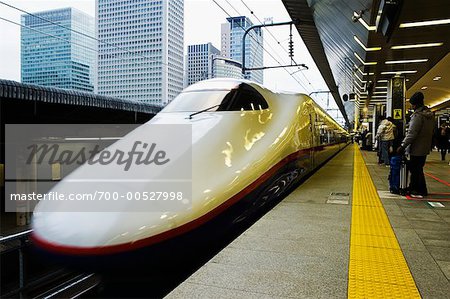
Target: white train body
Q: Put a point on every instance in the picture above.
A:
(235, 151)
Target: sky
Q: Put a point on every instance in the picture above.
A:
(201, 25)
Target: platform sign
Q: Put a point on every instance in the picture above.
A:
(397, 113)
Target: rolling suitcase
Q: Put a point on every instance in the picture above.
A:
(394, 174)
(403, 188)
(398, 175)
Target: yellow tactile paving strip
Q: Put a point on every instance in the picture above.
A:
(377, 267)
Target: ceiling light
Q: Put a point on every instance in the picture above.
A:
(413, 46)
(378, 97)
(356, 83)
(424, 87)
(398, 72)
(362, 61)
(364, 74)
(381, 87)
(380, 92)
(440, 103)
(425, 23)
(361, 20)
(381, 81)
(364, 47)
(360, 80)
(437, 78)
(406, 61)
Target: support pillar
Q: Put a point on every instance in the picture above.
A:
(395, 105)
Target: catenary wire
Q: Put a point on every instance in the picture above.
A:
(226, 12)
(253, 13)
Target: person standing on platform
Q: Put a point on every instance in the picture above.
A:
(417, 143)
(442, 137)
(386, 134)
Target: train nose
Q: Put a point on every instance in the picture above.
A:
(57, 229)
(77, 229)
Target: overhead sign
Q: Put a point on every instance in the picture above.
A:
(397, 113)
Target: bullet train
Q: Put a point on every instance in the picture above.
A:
(249, 146)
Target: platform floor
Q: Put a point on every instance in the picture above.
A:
(303, 247)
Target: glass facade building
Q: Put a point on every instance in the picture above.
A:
(52, 55)
(141, 58)
(231, 37)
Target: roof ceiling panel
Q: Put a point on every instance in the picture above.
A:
(328, 31)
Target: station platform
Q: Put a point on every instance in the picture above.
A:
(340, 234)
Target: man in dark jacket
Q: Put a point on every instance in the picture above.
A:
(417, 143)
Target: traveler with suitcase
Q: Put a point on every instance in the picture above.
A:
(417, 143)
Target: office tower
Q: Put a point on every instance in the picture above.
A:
(52, 55)
(253, 45)
(142, 58)
(225, 40)
(199, 62)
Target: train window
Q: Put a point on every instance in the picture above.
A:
(247, 98)
(244, 97)
(198, 100)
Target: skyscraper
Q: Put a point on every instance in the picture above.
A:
(232, 45)
(52, 55)
(141, 58)
(199, 62)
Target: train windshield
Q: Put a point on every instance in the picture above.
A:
(244, 97)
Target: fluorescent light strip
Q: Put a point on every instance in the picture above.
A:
(364, 74)
(380, 92)
(360, 80)
(416, 46)
(356, 83)
(361, 20)
(406, 61)
(425, 23)
(378, 97)
(362, 61)
(440, 103)
(381, 87)
(382, 81)
(398, 72)
(364, 47)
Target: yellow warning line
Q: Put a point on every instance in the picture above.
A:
(377, 267)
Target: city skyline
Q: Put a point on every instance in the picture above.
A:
(197, 14)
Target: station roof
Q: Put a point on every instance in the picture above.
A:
(31, 92)
(354, 55)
